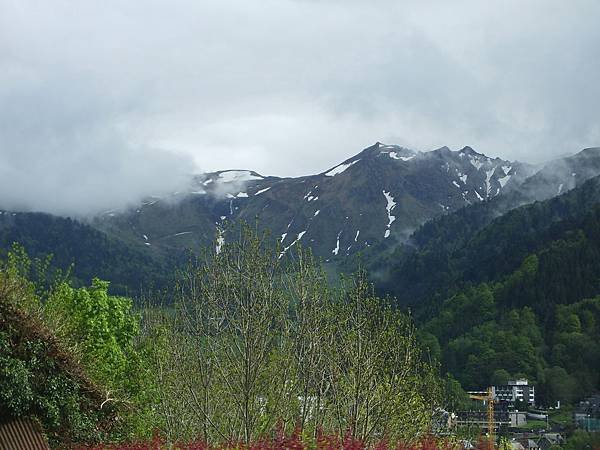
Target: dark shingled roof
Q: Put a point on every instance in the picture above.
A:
(21, 434)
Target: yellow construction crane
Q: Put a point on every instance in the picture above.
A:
(489, 398)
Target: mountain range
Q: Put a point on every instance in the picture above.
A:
(370, 206)
(498, 261)
(382, 194)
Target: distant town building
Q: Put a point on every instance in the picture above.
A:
(517, 419)
(480, 419)
(515, 391)
(549, 440)
(587, 414)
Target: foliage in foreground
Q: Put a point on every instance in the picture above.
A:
(69, 356)
(296, 441)
(251, 340)
(39, 376)
(256, 339)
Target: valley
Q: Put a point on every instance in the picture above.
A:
(495, 261)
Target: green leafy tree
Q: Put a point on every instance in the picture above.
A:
(102, 330)
(39, 377)
(100, 325)
(455, 397)
(500, 377)
(582, 440)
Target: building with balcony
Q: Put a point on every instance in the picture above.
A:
(515, 391)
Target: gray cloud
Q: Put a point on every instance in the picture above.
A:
(64, 151)
(103, 102)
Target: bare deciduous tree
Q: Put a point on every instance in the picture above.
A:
(258, 340)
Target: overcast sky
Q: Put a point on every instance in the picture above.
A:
(104, 101)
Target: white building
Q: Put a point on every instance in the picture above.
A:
(517, 390)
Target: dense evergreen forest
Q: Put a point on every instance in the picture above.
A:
(511, 296)
(87, 252)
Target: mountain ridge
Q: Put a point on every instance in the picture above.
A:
(383, 192)
(409, 271)
(372, 205)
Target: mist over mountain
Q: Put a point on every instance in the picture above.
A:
(375, 207)
(106, 104)
(78, 164)
(381, 194)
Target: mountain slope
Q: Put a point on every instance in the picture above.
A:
(416, 271)
(380, 195)
(368, 206)
(92, 253)
(522, 299)
(561, 175)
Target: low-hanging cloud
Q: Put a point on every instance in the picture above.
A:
(64, 152)
(92, 93)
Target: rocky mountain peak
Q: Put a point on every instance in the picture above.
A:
(380, 195)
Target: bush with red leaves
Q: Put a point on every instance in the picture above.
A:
(294, 441)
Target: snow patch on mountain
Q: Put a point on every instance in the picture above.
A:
(220, 241)
(262, 190)
(395, 155)
(336, 250)
(488, 177)
(464, 196)
(341, 168)
(230, 176)
(475, 162)
(298, 237)
(504, 180)
(391, 204)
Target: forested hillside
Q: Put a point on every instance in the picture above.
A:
(87, 252)
(516, 298)
(494, 297)
(497, 290)
(367, 206)
(475, 245)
